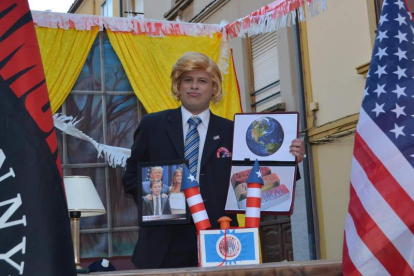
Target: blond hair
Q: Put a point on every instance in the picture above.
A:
(191, 61)
(156, 182)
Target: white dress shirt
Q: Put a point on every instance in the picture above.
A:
(202, 131)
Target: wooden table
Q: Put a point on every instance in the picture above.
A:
(303, 268)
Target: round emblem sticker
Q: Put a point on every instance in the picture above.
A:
(233, 247)
(223, 152)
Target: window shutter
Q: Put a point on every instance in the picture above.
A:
(265, 71)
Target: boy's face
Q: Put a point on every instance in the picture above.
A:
(196, 90)
(156, 189)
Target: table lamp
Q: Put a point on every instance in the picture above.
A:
(83, 201)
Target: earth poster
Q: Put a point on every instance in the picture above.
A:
(264, 136)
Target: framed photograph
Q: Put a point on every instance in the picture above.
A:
(264, 136)
(277, 192)
(160, 201)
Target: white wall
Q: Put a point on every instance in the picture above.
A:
(339, 41)
(155, 9)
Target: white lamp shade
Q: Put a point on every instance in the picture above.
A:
(82, 196)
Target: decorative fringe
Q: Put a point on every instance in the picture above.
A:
(224, 57)
(274, 16)
(115, 156)
(154, 28)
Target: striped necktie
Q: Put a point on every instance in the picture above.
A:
(191, 145)
(157, 206)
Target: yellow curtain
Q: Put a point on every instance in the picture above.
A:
(231, 101)
(148, 62)
(64, 53)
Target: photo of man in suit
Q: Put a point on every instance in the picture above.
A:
(157, 205)
(169, 135)
(156, 174)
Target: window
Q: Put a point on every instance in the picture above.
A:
(107, 8)
(103, 97)
(139, 9)
(265, 71)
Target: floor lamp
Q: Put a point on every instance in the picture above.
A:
(83, 201)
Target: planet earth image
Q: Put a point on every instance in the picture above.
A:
(264, 136)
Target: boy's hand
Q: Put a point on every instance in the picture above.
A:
(297, 148)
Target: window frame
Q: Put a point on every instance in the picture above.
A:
(107, 8)
(67, 167)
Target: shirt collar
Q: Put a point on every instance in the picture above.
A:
(204, 116)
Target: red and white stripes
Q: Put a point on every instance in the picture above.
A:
(379, 230)
(254, 199)
(198, 210)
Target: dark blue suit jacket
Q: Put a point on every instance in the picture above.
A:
(148, 207)
(159, 137)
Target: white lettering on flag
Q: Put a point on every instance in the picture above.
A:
(11, 172)
(15, 204)
(7, 256)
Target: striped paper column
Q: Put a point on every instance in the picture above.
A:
(195, 202)
(254, 197)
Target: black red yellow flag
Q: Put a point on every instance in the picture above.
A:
(35, 234)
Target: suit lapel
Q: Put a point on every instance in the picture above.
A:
(212, 138)
(174, 129)
(162, 200)
(152, 207)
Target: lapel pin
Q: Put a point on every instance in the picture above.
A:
(216, 137)
(223, 152)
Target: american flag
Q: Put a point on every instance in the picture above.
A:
(379, 225)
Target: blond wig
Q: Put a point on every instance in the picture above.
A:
(191, 61)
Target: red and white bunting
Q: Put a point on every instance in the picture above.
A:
(274, 16)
